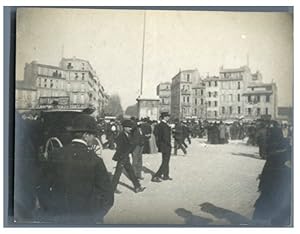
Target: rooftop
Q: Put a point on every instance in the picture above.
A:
(240, 69)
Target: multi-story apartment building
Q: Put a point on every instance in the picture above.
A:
(233, 84)
(73, 79)
(260, 100)
(181, 93)
(234, 94)
(163, 90)
(212, 90)
(198, 100)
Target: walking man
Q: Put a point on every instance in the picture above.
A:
(164, 146)
(124, 148)
(79, 185)
(178, 137)
(138, 140)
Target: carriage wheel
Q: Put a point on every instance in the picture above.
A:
(97, 147)
(52, 144)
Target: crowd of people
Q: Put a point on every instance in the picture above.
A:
(74, 186)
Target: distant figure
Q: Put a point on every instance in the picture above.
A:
(164, 146)
(222, 133)
(80, 188)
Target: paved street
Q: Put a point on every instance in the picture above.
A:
(220, 177)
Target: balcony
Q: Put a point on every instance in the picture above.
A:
(185, 91)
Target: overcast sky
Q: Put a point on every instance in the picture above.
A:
(112, 41)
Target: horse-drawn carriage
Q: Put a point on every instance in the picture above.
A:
(55, 127)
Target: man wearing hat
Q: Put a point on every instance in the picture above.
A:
(164, 146)
(81, 190)
(124, 148)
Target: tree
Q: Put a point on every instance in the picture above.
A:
(113, 106)
(132, 110)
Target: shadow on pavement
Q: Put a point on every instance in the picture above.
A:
(221, 213)
(127, 186)
(248, 155)
(191, 219)
(148, 171)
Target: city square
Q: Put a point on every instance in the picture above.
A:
(223, 175)
(152, 117)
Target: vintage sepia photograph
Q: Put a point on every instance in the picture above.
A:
(153, 117)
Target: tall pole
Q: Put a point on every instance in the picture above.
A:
(143, 48)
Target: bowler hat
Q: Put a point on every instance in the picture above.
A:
(84, 123)
(128, 123)
(164, 114)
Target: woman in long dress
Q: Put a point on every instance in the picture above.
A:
(152, 140)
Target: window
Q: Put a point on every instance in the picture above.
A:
(230, 110)
(216, 83)
(258, 111)
(188, 99)
(75, 98)
(195, 101)
(209, 84)
(239, 85)
(249, 111)
(267, 98)
(201, 91)
(258, 98)
(183, 99)
(209, 103)
(267, 111)
(215, 94)
(195, 111)
(216, 113)
(223, 110)
(82, 77)
(249, 98)
(209, 94)
(239, 110)
(69, 66)
(216, 103)
(238, 97)
(201, 101)
(188, 77)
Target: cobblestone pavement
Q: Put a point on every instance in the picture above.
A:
(212, 185)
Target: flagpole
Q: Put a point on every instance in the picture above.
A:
(143, 48)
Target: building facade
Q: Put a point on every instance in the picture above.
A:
(73, 78)
(260, 101)
(181, 93)
(212, 90)
(233, 95)
(198, 100)
(163, 91)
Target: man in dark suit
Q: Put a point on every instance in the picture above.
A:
(125, 146)
(81, 190)
(178, 137)
(164, 146)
